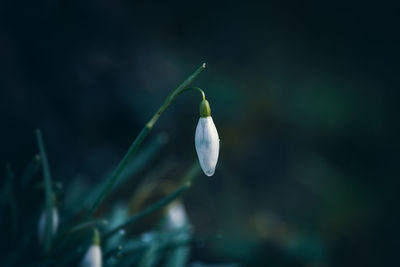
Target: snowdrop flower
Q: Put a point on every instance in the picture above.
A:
(42, 224)
(207, 140)
(93, 257)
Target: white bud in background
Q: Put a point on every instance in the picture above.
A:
(93, 256)
(207, 140)
(176, 216)
(177, 222)
(42, 224)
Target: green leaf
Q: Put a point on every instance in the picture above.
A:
(30, 171)
(188, 179)
(48, 193)
(86, 225)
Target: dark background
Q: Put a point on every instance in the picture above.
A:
(304, 97)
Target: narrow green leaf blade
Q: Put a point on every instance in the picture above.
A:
(48, 193)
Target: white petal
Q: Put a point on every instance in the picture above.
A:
(42, 224)
(207, 145)
(92, 257)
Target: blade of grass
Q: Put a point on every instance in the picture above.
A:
(65, 236)
(134, 248)
(139, 139)
(142, 159)
(30, 171)
(188, 179)
(179, 255)
(48, 193)
(135, 166)
(151, 255)
(86, 225)
(156, 206)
(76, 253)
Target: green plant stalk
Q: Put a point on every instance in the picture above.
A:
(139, 139)
(141, 160)
(86, 225)
(30, 171)
(48, 193)
(179, 256)
(189, 178)
(151, 255)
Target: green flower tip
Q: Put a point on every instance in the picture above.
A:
(96, 237)
(205, 110)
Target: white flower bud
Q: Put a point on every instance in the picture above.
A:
(92, 257)
(42, 224)
(207, 140)
(176, 216)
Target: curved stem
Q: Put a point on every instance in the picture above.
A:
(197, 89)
(172, 96)
(139, 139)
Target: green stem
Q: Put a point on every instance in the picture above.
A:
(189, 178)
(139, 139)
(48, 192)
(197, 89)
(150, 256)
(86, 225)
(30, 171)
